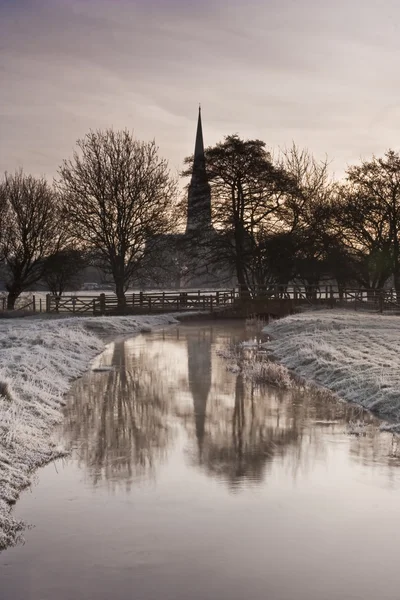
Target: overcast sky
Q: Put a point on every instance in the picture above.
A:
(323, 74)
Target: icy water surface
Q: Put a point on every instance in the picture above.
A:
(188, 483)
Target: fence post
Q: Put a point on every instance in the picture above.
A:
(163, 301)
(141, 299)
(331, 296)
(33, 303)
(211, 303)
(48, 301)
(40, 304)
(149, 303)
(102, 299)
(94, 305)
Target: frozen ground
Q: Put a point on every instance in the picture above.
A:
(38, 360)
(357, 356)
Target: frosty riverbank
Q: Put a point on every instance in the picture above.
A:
(38, 361)
(355, 355)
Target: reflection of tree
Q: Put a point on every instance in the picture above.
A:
(236, 441)
(241, 441)
(238, 435)
(117, 419)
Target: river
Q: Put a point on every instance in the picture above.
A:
(187, 482)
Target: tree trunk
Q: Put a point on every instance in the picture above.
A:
(120, 293)
(240, 267)
(12, 298)
(240, 277)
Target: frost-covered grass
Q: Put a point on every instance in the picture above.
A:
(266, 371)
(251, 360)
(356, 356)
(38, 360)
(254, 365)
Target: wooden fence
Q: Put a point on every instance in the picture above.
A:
(142, 302)
(30, 305)
(328, 295)
(213, 300)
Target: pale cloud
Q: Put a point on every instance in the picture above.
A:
(319, 73)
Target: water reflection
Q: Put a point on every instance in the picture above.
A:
(240, 440)
(117, 419)
(234, 490)
(122, 422)
(199, 376)
(372, 447)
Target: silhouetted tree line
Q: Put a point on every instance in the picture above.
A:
(283, 220)
(277, 220)
(108, 204)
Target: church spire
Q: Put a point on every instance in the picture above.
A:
(199, 145)
(199, 196)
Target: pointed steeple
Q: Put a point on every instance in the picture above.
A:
(199, 145)
(199, 197)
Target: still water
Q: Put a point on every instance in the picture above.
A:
(188, 483)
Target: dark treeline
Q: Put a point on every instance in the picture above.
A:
(107, 205)
(285, 220)
(276, 220)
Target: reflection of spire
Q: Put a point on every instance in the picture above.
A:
(199, 371)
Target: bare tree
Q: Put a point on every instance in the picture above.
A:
(306, 216)
(30, 230)
(365, 235)
(369, 214)
(313, 192)
(118, 196)
(3, 214)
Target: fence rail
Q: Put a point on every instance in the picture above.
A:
(213, 300)
(26, 306)
(142, 302)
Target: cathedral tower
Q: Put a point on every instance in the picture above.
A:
(199, 196)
